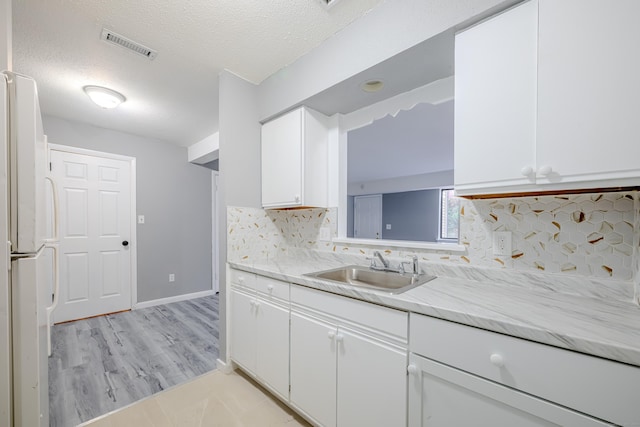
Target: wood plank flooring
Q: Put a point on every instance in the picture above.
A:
(104, 363)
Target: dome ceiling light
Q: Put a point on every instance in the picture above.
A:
(104, 97)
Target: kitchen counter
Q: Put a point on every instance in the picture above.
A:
(607, 328)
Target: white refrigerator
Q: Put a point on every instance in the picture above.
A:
(32, 248)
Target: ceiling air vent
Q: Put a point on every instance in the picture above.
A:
(111, 37)
(329, 3)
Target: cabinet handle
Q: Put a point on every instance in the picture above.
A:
(270, 288)
(339, 338)
(331, 334)
(412, 369)
(526, 171)
(545, 170)
(497, 360)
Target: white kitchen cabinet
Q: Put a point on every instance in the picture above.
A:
(504, 380)
(294, 160)
(243, 330)
(348, 360)
(495, 100)
(588, 89)
(313, 368)
(442, 396)
(546, 99)
(260, 331)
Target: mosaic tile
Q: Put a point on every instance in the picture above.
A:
(592, 235)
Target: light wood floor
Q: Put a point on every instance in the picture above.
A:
(214, 399)
(101, 364)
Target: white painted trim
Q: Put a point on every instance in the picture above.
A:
(409, 244)
(215, 241)
(133, 251)
(224, 367)
(168, 300)
(86, 152)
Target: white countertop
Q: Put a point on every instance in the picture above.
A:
(602, 327)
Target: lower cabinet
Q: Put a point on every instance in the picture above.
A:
(260, 337)
(442, 396)
(345, 373)
(461, 375)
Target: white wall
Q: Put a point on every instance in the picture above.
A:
(402, 183)
(5, 355)
(239, 165)
(390, 28)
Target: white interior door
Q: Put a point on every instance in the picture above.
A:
(95, 234)
(367, 217)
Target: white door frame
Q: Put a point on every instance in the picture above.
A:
(133, 239)
(215, 219)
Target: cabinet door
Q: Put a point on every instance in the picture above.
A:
(495, 108)
(313, 368)
(272, 365)
(372, 382)
(441, 396)
(588, 126)
(282, 160)
(243, 330)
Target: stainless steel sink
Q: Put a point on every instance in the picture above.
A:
(365, 277)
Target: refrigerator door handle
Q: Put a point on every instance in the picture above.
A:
(54, 192)
(56, 291)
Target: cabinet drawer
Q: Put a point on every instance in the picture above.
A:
(384, 319)
(272, 288)
(242, 278)
(595, 386)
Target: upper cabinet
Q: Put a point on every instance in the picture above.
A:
(546, 96)
(294, 160)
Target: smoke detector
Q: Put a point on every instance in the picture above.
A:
(117, 39)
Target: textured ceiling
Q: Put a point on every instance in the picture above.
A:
(175, 96)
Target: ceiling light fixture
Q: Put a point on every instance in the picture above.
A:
(372, 85)
(104, 97)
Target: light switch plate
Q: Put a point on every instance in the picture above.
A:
(388, 226)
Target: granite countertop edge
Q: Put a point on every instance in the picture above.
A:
(607, 329)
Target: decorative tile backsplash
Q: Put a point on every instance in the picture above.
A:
(590, 235)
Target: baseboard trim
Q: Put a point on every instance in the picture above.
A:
(176, 298)
(224, 367)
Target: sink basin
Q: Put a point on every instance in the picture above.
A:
(357, 275)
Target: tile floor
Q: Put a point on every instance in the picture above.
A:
(212, 399)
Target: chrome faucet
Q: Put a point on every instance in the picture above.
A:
(415, 266)
(384, 262)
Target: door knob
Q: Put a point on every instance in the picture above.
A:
(125, 243)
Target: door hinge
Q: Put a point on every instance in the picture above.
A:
(50, 167)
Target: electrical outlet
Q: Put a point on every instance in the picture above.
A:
(140, 219)
(502, 243)
(388, 226)
(172, 277)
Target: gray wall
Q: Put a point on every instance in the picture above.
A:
(239, 183)
(172, 194)
(413, 215)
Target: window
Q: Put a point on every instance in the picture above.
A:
(449, 215)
